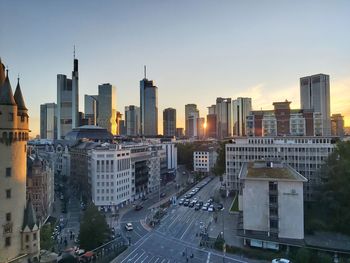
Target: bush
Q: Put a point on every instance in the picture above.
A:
(303, 255)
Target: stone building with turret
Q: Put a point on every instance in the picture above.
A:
(19, 234)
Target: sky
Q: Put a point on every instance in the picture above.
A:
(195, 51)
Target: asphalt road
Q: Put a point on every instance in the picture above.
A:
(177, 237)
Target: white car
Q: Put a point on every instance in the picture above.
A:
(280, 260)
(128, 227)
(211, 208)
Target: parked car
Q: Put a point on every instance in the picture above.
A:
(205, 208)
(197, 207)
(181, 201)
(280, 260)
(128, 227)
(211, 208)
(186, 203)
(191, 204)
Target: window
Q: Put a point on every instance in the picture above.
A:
(8, 241)
(8, 171)
(8, 216)
(34, 236)
(10, 116)
(27, 238)
(8, 193)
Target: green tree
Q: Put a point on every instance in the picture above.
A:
(93, 228)
(46, 241)
(185, 154)
(303, 255)
(219, 168)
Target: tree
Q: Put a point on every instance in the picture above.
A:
(46, 241)
(303, 255)
(219, 168)
(93, 229)
(185, 154)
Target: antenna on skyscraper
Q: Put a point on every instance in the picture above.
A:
(144, 70)
(73, 51)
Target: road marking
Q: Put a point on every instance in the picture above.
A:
(163, 260)
(133, 257)
(186, 230)
(208, 258)
(156, 260)
(136, 248)
(140, 255)
(144, 259)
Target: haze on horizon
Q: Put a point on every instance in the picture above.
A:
(194, 51)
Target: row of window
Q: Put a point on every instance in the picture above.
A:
(111, 198)
(126, 180)
(111, 176)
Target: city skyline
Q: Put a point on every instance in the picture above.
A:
(181, 53)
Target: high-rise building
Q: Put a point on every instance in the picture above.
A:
(169, 122)
(132, 120)
(122, 127)
(192, 124)
(107, 104)
(189, 109)
(67, 102)
(91, 108)
(223, 117)
(315, 95)
(48, 121)
(200, 128)
(241, 109)
(211, 126)
(148, 108)
(337, 125)
(20, 237)
(117, 121)
(180, 132)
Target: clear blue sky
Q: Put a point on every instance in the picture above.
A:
(195, 50)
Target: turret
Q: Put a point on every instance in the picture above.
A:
(22, 116)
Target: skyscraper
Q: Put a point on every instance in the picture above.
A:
(91, 108)
(20, 236)
(67, 102)
(241, 109)
(192, 127)
(315, 95)
(337, 125)
(132, 120)
(189, 109)
(48, 121)
(148, 108)
(107, 96)
(169, 122)
(223, 117)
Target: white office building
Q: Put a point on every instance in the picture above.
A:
(111, 177)
(271, 201)
(304, 154)
(204, 160)
(241, 109)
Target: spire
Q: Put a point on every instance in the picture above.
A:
(29, 219)
(19, 97)
(6, 95)
(2, 73)
(144, 71)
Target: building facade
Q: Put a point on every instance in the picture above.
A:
(107, 105)
(241, 109)
(223, 117)
(190, 110)
(204, 160)
(132, 120)
(337, 121)
(169, 122)
(67, 102)
(148, 108)
(315, 95)
(91, 108)
(14, 125)
(272, 205)
(48, 121)
(304, 154)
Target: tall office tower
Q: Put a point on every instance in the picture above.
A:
(107, 97)
(189, 108)
(192, 122)
(20, 237)
(132, 120)
(241, 109)
(67, 102)
(212, 109)
(148, 107)
(223, 117)
(91, 108)
(200, 128)
(118, 118)
(169, 122)
(48, 121)
(315, 95)
(180, 132)
(211, 126)
(122, 127)
(337, 125)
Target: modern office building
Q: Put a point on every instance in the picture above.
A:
(315, 95)
(211, 126)
(200, 128)
(283, 121)
(132, 120)
(91, 108)
(190, 109)
(67, 102)
(337, 121)
(118, 118)
(304, 154)
(241, 109)
(180, 132)
(223, 112)
(169, 122)
(107, 105)
(148, 108)
(192, 124)
(122, 127)
(272, 205)
(48, 121)
(20, 233)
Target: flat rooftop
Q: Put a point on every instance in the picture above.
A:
(270, 170)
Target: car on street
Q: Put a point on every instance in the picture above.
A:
(162, 194)
(211, 208)
(181, 201)
(205, 208)
(280, 260)
(191, 204)
(186, 203)
(187, 196)
(144, 198)
(220, 206)
(138, 207)
(128, 227)
(197, 207)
